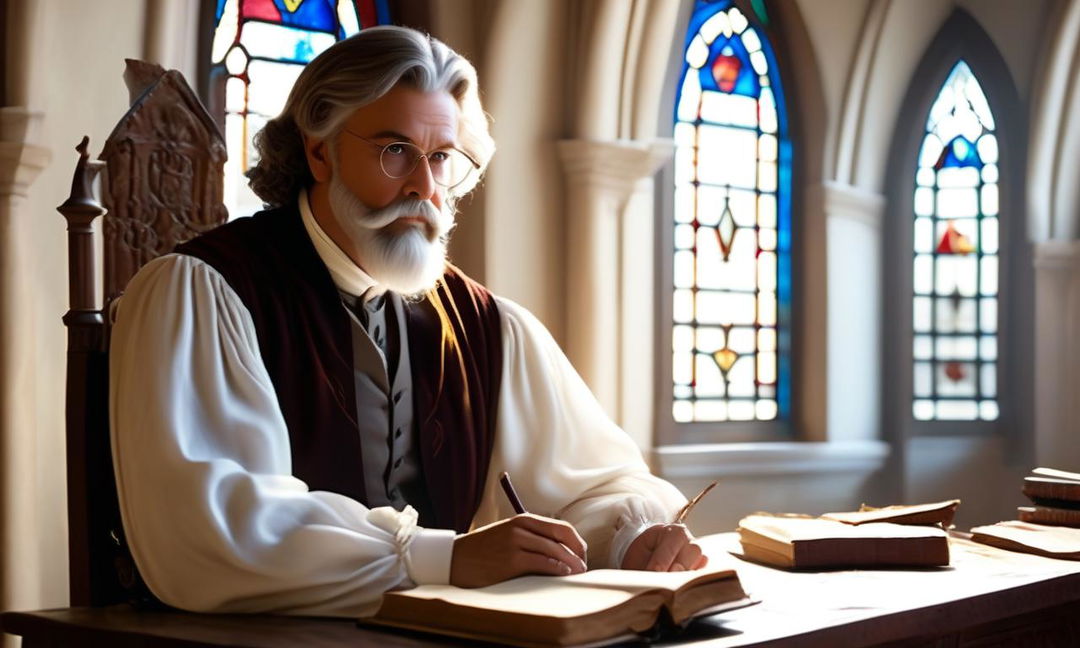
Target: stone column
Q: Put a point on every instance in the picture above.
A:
(20, 164)
(602, 178)
(1057, 354)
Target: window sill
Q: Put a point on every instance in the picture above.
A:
(779, 458)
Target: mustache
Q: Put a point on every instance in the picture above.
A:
(406, 208)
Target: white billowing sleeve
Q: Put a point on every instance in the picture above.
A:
(214, 518)
(566, 457)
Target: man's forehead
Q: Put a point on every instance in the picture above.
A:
(408, 112)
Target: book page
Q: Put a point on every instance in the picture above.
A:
(787, 529)
(551, 596)
(642, 580)
(1053, 473)
(940, 512)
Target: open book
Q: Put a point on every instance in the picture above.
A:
(597, 607)
(814, 543)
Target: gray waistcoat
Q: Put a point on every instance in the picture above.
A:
(384, 403)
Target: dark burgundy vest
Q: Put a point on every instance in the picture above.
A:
(306, 344)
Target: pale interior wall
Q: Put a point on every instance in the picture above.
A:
(523, 205)
(74, 78)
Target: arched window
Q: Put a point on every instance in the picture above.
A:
(257, 51)
(731, 279)
(957, 329)
(955, 271)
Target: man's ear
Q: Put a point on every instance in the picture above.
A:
(317, 152)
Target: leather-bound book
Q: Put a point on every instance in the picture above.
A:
(797, 542)
(1049, 515)
(1053, 488)
(595, 608)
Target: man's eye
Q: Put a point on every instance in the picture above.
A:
(396, 149)
(439, 157)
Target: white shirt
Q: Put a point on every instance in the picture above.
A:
(215, 519)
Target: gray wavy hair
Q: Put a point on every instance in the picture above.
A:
(351, 74)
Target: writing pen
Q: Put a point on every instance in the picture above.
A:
(684, 512)
(515, 501)
(511, 494)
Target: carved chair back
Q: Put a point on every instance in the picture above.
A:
(161, 184)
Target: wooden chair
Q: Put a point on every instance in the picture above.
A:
(162, 185)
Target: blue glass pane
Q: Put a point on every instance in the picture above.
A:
(959, 153)
(320, 15)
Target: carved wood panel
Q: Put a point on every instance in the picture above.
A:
(163, 178)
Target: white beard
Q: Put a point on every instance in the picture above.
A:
(408, 262)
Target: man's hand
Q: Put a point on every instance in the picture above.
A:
(664, 547)
(523, 544)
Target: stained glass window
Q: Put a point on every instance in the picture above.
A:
(955, 271)
(258, 50)
(732, 257)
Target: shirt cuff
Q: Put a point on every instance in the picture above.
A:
(429, 556)
(625, 537)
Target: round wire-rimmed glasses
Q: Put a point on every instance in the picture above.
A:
(449, 166)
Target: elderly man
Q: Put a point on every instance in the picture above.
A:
(311, 406)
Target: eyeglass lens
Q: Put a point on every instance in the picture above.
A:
(449, 167)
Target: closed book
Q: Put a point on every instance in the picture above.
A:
(1049, 515)
(1044, 540)
(816, 543)
(1053, 488)
(594, 608)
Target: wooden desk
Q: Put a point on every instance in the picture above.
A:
(988, 597)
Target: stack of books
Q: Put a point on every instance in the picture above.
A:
(1049, 528)
(895, 536)
(1055, 495)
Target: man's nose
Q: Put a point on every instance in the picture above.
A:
(420, 183)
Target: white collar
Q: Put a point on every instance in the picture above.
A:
(347, 276)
